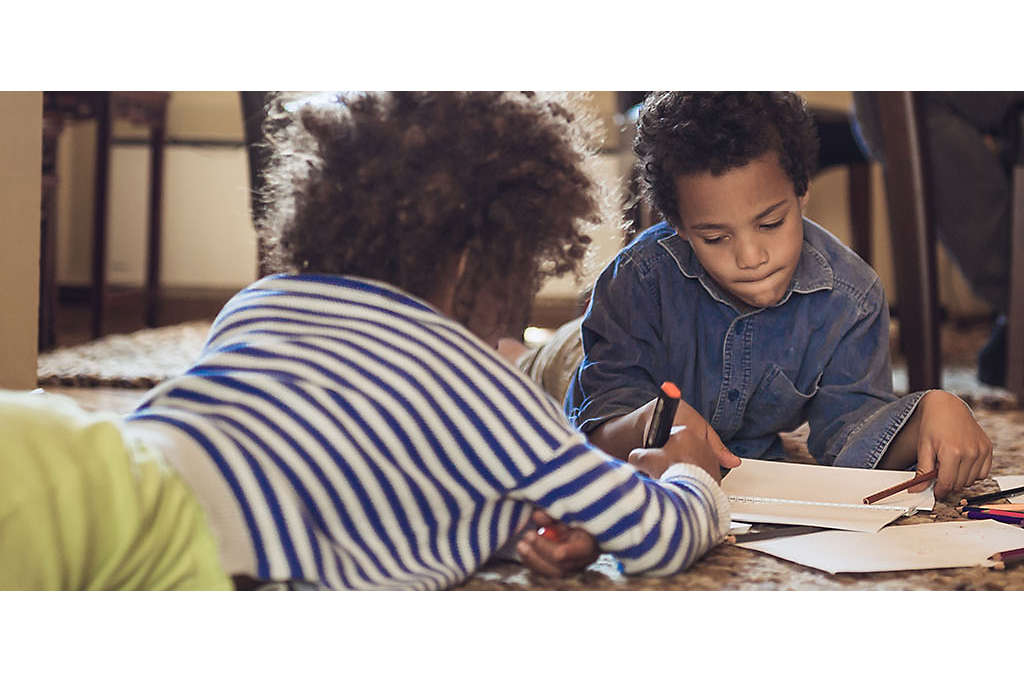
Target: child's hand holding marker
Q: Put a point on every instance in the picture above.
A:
(686, 416)
(666, 445)
(556, 549)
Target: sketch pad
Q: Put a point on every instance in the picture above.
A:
(1007, 482)
(815, 495)
(898, 548)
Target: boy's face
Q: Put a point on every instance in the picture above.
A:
(745, 227)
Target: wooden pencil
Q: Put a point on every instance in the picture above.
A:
(1008, 554)
(882, 494)
(997, 507)
(988, 497)
(1004, 559)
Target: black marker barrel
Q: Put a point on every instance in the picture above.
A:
(664, 413)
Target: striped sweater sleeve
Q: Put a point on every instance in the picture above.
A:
(652, 527)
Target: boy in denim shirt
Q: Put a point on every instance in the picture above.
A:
(761, 317)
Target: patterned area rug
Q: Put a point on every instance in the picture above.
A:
(138, 360)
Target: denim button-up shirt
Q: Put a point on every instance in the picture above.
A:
(820, 355)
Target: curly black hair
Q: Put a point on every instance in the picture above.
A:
(692, 132)
(396, 186)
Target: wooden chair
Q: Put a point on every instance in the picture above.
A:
(913, 240)
(143, 108)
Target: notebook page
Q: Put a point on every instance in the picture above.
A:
(810, 494)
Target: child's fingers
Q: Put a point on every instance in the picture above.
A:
(542, 518)
(987, 465)
(648, 460)
(926, 462)
(725, 456)
(975, 467)
(572, 552)
(533, 560)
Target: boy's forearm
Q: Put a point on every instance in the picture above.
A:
(902, 451)
(619, 435)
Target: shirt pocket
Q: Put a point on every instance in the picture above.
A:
(777, 404)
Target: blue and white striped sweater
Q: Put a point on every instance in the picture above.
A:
(371, 442)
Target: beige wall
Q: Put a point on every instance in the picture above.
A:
(21, 135)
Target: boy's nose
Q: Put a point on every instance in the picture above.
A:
(750, 255)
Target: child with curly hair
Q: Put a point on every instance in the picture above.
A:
(349, 424)
(761, 317)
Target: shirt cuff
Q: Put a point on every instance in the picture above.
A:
(866, 444)
(718, 497)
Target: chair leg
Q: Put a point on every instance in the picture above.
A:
(912, 239)
(861, 225)
(156, 183)
(98, 294)
(1015, 316)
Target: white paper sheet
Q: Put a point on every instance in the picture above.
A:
(1007, 482)
(897, 548)
(814, 495)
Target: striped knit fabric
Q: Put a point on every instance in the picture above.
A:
(372, 442)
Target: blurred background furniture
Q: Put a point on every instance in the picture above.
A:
(911, 207)
(147, 109)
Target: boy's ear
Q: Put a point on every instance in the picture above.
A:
(804, 198)
(680, 231)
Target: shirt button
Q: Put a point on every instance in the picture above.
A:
(733, 394)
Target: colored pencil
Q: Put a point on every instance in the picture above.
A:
(998, 507)
(988, 497)
(882, 494)
(1015, 520)
(1007, 558)
(1000, 512)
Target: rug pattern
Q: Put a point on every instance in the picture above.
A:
(141, 359)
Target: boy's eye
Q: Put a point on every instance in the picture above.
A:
(712, 240)
(772, 226)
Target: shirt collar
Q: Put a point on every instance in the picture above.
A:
(813, 272)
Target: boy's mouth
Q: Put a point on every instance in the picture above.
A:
(757, 279)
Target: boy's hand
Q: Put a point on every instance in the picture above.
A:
(559, 551)
(685, 446)
(949, 438)
(692, 419)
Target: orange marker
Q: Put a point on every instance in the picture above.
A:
(661, 419)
